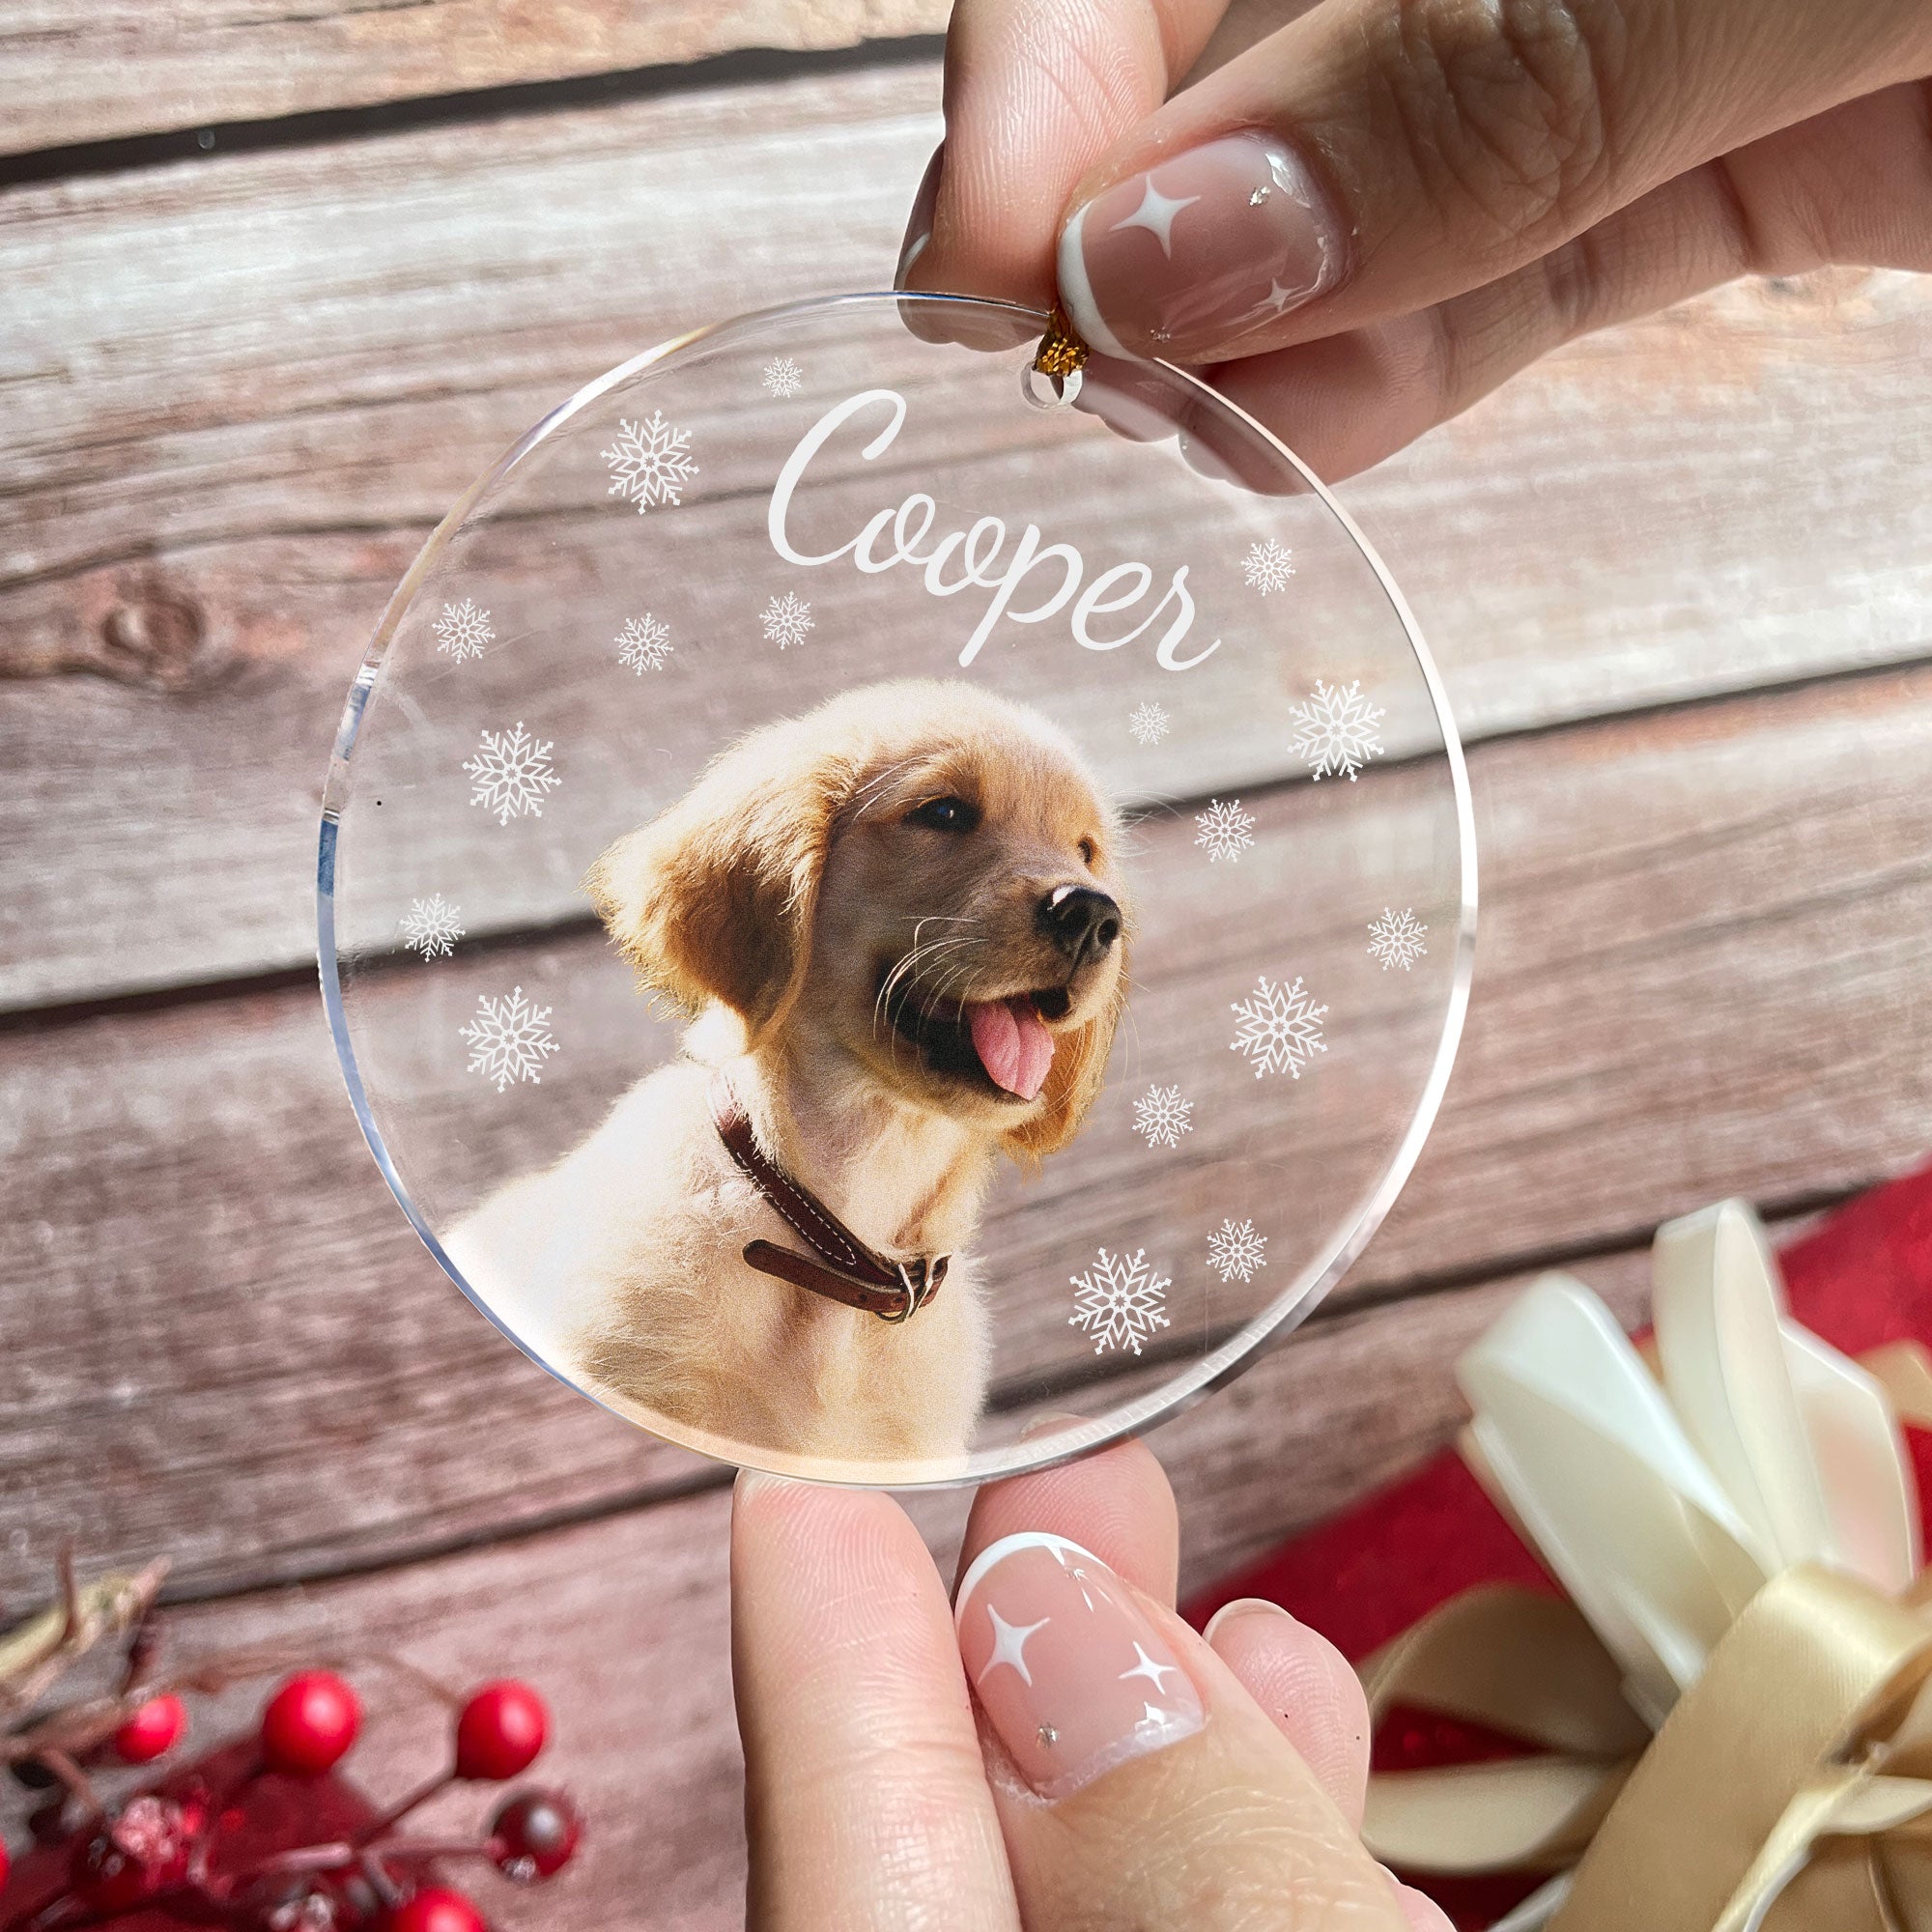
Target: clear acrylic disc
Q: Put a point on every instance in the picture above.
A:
(1025, 802)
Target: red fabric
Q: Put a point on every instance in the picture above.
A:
(1862, 1278)
(257, 1814)
(1369, 1573)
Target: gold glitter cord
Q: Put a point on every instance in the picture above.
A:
(1061, 350)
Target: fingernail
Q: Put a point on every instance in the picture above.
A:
(753, 1483)
(1066, 1665)
(1242, 1606)
(1199, 251)
(1052, 1423)
(919, 222)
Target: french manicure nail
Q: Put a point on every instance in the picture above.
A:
(1241, 1606)
(1068, 1669)
(1199, 251)
(919, 222)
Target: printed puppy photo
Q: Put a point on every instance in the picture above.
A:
(897, 927)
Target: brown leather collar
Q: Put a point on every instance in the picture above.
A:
(845, 1270)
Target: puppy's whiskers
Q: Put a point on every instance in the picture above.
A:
(908, 965)
(940, 993)
(911, 958)
(905, 969)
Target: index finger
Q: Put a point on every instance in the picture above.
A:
(865, 1801)
(1378, 156)
(1036, 92)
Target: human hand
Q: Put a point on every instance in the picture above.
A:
(1368, 218)
(1095, 1764)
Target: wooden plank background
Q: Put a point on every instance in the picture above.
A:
(1680, 579)
(66, 66)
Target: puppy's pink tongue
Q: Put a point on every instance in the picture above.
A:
(1013, 1045)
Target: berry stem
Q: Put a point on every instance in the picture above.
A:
(66, 1911)
(426, 1848)
(76, 1782)
(380, 1882)
(308, 1858)
(423, 1794)
(70, 1592)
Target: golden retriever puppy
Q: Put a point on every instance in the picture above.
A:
(898, 925)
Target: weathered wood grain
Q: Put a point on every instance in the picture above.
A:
(623, 1623)
(241, 394)
(1701, 974)
(71, 72)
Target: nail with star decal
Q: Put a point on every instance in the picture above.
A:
(1066, 1665)
(1200, 251)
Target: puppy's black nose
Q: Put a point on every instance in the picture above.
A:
(1080, 921)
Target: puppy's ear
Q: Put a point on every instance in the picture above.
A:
(1074, 1079)
(714, 899)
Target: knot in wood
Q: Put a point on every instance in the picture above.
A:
(152, 637)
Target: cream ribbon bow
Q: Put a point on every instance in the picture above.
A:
(1733, 1529)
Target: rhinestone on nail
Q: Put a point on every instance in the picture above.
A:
(1048, 1736)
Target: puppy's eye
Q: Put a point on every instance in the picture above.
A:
(945, 814)
(1086, 851)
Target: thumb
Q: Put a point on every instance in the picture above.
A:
(1037, 91)
(1376, 156)
(866, 1805)
(1137, 1782)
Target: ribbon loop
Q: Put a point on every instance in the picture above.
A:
(1735, 1521)
(1750, 1767)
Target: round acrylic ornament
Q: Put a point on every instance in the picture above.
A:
(1104, 926)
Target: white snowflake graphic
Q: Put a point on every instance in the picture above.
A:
(1279, 1029)
(509, 1039)
(1160, 1117)
(1267, 566)
(1225, 830)
(650, 463)
(510, 773)
(463, 630)
(786, 619)
(432, 926)
(1147, 722)
(1235, 1250)
(783, 376)
(1119, 1301)
(643, 644)
(1396, 938)
(1336, 730)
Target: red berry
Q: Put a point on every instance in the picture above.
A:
(435, 1910)
(533, 1836)
(500, 1731)
(309, 1723)
(151, 1730)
